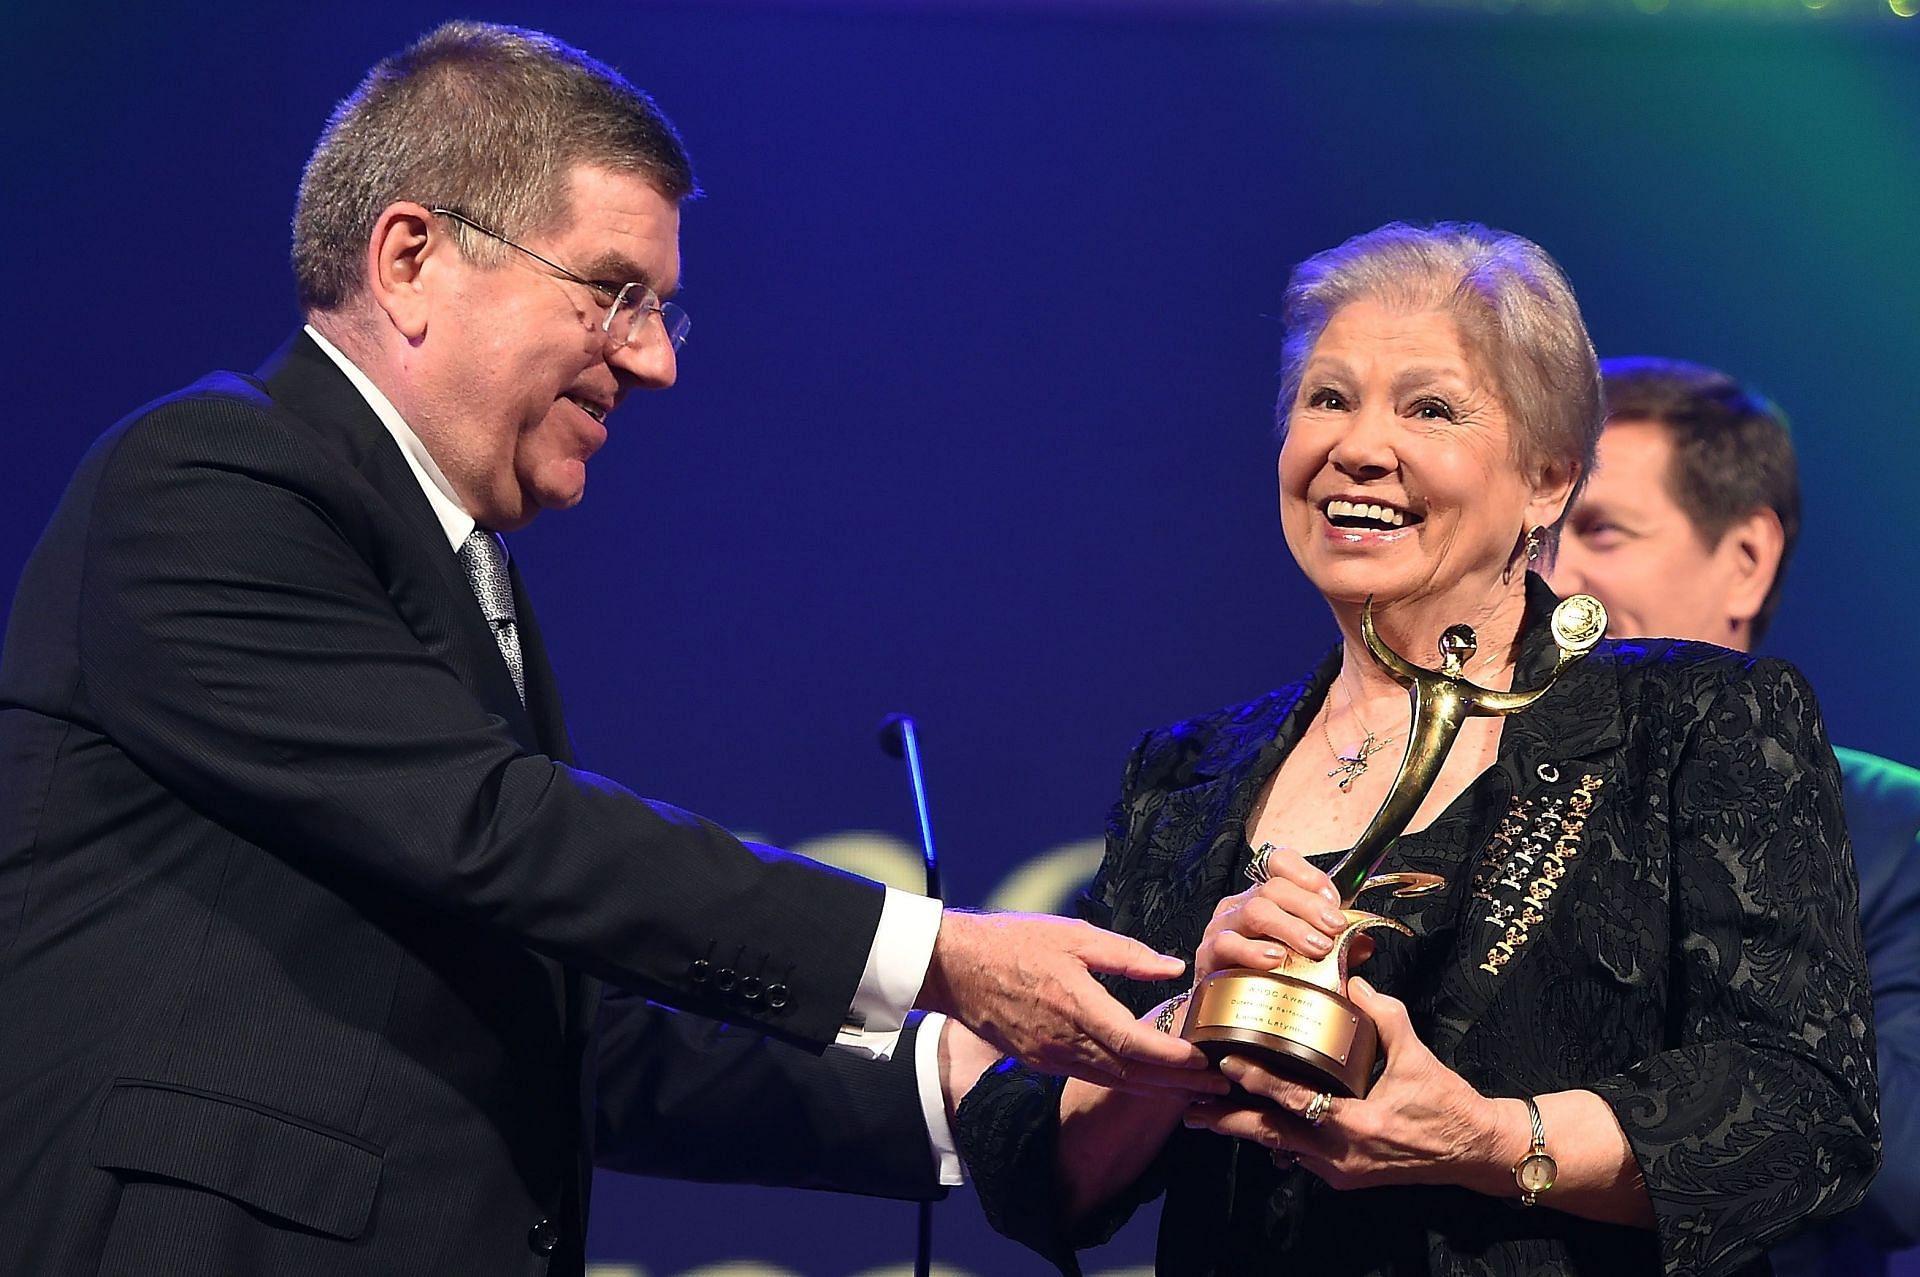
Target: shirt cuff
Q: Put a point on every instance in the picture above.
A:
(896, 968)
(933, 1100)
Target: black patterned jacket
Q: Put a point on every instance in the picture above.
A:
(1651, 896)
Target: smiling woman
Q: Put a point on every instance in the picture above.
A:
(1401, 472)
(1638, 998)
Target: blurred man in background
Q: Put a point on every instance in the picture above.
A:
(1684, 530)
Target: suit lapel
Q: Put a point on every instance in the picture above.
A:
(544, 708)
(422, 574)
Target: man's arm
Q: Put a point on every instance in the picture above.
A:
(1024, 983)
(260, 632)
(684, 1096)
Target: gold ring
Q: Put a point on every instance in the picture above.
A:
(1316, 1110)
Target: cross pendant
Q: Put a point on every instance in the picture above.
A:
(1353, 766)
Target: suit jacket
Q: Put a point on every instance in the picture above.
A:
(1883, 820)
(303, 916)
(1650, 896)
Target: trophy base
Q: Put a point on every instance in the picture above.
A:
(1298, 1030)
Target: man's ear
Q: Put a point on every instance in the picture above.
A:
(405, 244)
(1750, 551)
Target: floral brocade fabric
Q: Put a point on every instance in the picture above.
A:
(1650, 896)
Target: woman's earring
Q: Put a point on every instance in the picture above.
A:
(1533, 543)
(1532, 551)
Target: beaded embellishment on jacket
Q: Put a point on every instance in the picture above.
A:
(1524, 864)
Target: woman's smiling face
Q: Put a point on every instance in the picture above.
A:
(1399, 475)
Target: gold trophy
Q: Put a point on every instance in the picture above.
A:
(1296, 1019)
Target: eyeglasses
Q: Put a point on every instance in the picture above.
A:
(628, 304)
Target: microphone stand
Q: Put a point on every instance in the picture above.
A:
(899, 739)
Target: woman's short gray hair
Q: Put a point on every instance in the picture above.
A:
(491, 120)
(1516, 314)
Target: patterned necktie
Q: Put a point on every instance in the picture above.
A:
(485, 560)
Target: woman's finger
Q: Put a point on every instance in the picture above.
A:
(1389, 1014)
(1280, 904)
(1231, 949)
(1228, 903)
(1292, 1098)
(1287, 1139)
(1237, 1121)
(1280, 935)
(1261, 922)
(1287, 865)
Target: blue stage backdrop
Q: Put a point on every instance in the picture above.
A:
(975, 420)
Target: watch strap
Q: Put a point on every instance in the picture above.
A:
(1536, 1151)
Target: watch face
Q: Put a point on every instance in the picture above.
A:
(1536, 1173)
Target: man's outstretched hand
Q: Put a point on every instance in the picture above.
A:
(1024, 982)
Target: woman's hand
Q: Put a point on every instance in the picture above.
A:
(1109, 1137)
(1296, 906)
(963, 1059)
(1421, 1124)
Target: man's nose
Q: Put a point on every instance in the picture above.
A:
(649, 361)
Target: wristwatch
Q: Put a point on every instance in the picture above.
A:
(1536, 1171)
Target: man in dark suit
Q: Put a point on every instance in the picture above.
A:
(1684, 531)
(304, 908)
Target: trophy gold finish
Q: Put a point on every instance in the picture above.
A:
(1296, 1019)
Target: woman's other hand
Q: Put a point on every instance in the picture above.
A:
(1424, 1124)
(1421, 1124)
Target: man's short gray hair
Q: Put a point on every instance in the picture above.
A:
(491, 120)
(1515, 310)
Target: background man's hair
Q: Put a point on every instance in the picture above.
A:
(491, 120)
(1732, 451)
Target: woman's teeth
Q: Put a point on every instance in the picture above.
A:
(1352, 514)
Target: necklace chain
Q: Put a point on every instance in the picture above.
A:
(1351, 767)
(1348, 768)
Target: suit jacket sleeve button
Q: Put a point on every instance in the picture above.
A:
(750, 988)
(723, 979)
(543, 1238)
(777, 995)
(700, 971)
